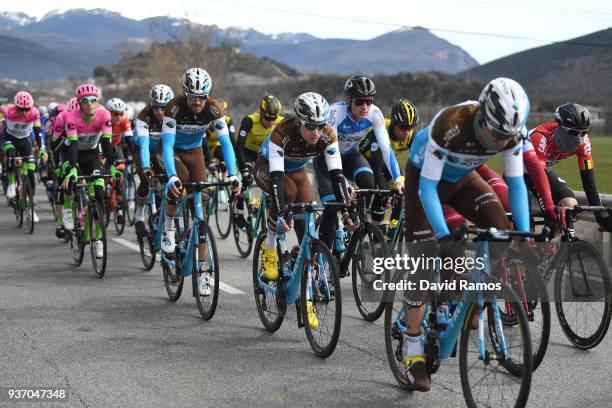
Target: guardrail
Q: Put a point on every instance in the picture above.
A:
(587, 229)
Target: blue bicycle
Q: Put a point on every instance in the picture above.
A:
(154, 211)
(250, 221)
(195, 253)
(495, 361)
(310, 281)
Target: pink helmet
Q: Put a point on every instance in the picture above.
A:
(72, 104)
(59, 108)
(87, 90)
(24, 100)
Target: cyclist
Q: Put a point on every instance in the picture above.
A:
(55, 147)
(144, 146)
(280, 170)
(211, 147)
(185, 121)
(443, 158)
(554, 142)
(351, 121)
(20, 120)
(122, 128)
(88, 128)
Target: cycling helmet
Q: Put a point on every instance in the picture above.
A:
(23, 100)
(87, 90)
(197, 81)
(505, 106)
(115, 105)
(160, 94)
(573, 116)
(404, 112)
(72, 104)
(52, 106)
(359, 87)
(270, 106)
(43, 110)
(58, 109)
(312, 108)
(129, 112)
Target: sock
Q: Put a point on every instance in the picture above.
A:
(11, 178)
(414, 346)
(139, 213)
(169, 223)
(271, 239)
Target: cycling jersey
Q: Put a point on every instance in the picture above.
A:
(398, 146)
(287, 151)
(59, 126)
(87, 134)
(212, 140)
(21, 126)
(351, 132)
(547, 150)
(148, 134)
(121, 130)
(254, 131)
(184, 130)
(449, 149)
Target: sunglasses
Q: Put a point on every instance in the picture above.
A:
(194, 98)
(23, 109)
(270, 118)
(89, 99)
(314, 126)
(574, 132)
(158, 106)
(404, 128)
(117, 113)
(363, 101)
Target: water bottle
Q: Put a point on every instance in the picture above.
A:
(340, 236)
(443, 315)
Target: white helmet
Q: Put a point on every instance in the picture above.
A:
(115, 105)
(505, 106)
(197, 81)
(129, 112)
(160, 94)
(312, 108)
(52, 106)
(43, 110)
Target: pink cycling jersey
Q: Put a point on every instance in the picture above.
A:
(58, 125)
(88, 133)
(20, 126)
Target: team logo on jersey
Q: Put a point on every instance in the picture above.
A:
(219, 126)
(331, 151)
(71, 126)
(588, 164)
(170, 124)
(439, 154)
(451, 133)
(215, 112)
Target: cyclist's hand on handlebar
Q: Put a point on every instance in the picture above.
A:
(71, 176)
(116, 174)
(399, 187)
(348, 221)
(280, 224)
(174, 186)
(605, 221)
(235, 186)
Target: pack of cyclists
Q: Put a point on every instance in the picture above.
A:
(444, 182)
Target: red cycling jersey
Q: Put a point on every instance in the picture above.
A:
(123, 128)
(548, 152)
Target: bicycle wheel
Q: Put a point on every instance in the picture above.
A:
(321, 285)
(499, 379)
(146, 243)
(171, 269)
(268, 300)
(28, 206)
(525, 280)
(206, 278)
(582, 295)
(371, 245)
(120, 208)
(243, 234)
(109, 200)
(77, 246)
(97, 233)
(222, 213)
(130, 185)
(18, 203)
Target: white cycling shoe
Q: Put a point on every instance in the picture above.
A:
(168, 242)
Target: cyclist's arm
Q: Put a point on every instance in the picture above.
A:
(232, 131)
(168, 137)
(587, 171)
(245, 128)
(517, 191)
(276, 162)
(226, 145)
(142, 135)
(431, 173)
(36, 128)
(382, 138)
(106, 138)
(334, 168)
(535, 164)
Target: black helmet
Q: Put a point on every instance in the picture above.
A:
(270, 106)
(359, 87)
(404, 112)
(573, 116)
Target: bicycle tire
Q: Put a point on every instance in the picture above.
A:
(240, 232)
(320, 297)
(518, 373)
(146, 244)
(18, 204)
(588, 341)
(77, 247)
(363, 279)
(130, 185)
(173, 277)
(29, 206)
(264, 300)
(222, 210)
(207, 308)
(99, 264)
(120, 226)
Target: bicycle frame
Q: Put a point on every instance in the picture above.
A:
(262, 217)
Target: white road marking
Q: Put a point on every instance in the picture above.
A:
(222, 286)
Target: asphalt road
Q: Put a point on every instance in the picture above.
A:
(119, 342)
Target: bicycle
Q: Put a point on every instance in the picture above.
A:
(254, 220)
(311, 279)
(23, 203)
(219, 201)
(154, 211)
(192, 230)
(361, 247)
(483, 353)
(130, 189)
(115, 194)
(581, 279)
(88, 220)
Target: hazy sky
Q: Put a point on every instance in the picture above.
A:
(541, 21)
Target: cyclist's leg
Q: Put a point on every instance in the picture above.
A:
(304, 193)
(379, 204)
(326, 193)
(142, 192)
(24, 148)
(562, 194)
(9, 153)
(121, 167)
(497, 183)
(90, 165)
